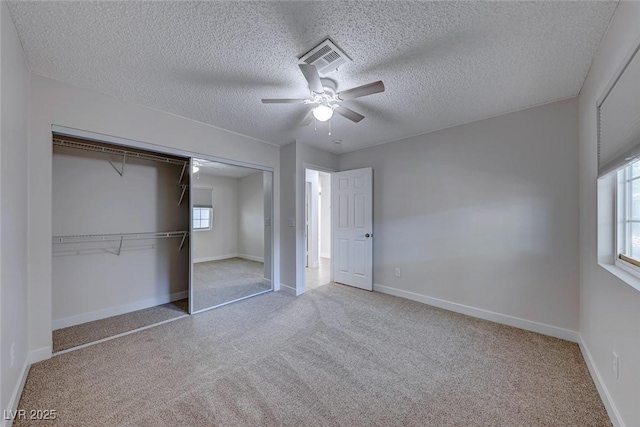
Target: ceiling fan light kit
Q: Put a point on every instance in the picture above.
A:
(322, 113)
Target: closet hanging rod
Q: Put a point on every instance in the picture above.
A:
(118, 152)
(81, 238)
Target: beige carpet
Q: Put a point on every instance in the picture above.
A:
(85, 333)
(217, 282)
(334, 356)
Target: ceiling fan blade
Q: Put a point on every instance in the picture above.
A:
(307, 119)
(364, 90)
(311, 74)
(348, 113)
(284, 101)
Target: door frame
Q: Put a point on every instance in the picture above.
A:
(301, 286)
(307, 216)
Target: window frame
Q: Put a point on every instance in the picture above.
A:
(623, 231)
(210, 210)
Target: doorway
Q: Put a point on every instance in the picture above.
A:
(317, 228)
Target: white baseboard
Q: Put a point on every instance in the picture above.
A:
(214, 258)
(40, 354)
(314, 264)
(325, 255)
(228, 256)
(288, 289)
(614, 415)
(17, 393)
(251, 257)
(505, 319)
(266, 281)
(115, 311)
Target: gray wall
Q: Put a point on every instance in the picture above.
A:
(89, 197)
(14, 350)
(609, 307)
(222, 240)
(251, 217)
(483, 214)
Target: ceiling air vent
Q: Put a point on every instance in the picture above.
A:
(326, 57)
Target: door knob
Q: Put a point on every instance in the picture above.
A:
(367, 235)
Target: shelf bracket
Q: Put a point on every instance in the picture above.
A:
(120, 247)
(121, 170)
(184, 167)
(184, 189)
(184, 236)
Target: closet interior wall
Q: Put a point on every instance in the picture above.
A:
(94, 280)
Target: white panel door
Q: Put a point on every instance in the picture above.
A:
(352, 224)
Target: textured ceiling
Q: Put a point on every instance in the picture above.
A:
(443, 64)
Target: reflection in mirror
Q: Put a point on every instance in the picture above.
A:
(231, 233)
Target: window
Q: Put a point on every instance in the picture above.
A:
(202, 218)
(628, 209)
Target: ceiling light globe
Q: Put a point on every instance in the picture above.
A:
(322, 113)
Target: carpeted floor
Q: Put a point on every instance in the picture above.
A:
(334, 356)
(85, 333)
(217, 282)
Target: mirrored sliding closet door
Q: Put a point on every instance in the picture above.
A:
(231, 244)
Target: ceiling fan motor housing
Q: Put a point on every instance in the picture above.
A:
(329, 86)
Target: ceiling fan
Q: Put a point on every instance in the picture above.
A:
(325, 98)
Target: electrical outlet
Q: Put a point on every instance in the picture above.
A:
(292, 222)
(13, 356)
(398, 273)
(616, 365)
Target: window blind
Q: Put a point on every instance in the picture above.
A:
(619, 119)
(203, 197)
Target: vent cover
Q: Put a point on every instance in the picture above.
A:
(326, 57)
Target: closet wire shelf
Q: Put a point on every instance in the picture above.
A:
(126, 154)
(120, 237)
(116, 151)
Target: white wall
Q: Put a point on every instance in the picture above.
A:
(15, 80)
(313, 237)
(251, 217)
(325, 215)
(483, 215)
(238, 218)
(90, 197)
(609, 308)
(57, 103)
(222, 240)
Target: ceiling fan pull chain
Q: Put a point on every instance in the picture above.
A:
(329, 127)
(315, 124)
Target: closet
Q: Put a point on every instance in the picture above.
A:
(120, 222)
(144, 237)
